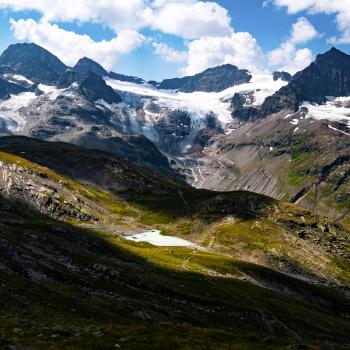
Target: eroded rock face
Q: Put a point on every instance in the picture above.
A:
(41, 193)
(285, 76)
(7, 88)
(94, 88)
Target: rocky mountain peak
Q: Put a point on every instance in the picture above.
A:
(94, 88)
(211, 80)
(33, 62)
(328, 75)
(86, 65)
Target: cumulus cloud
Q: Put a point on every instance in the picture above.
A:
(168, 53)
(190, 19)
(339, 8)
(240, 49)
(205, 27)
(61, 42)
(185, 18)
(115, 14)
(287, 57)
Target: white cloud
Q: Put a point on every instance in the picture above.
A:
(240, 49)
(116, 14)
(190, 19)
(60, 42)
(169, 54)
(287, 57)
(340, 8)
(187, 19)
(301, 59)
(302, 32)
(204, 24)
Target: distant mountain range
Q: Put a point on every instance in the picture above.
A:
(225, 128)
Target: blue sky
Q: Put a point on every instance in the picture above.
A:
(157, 39)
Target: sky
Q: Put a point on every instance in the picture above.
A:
(158, 39)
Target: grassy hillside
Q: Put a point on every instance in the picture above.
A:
(272, 275)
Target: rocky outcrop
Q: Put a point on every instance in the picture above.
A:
(211, 80)
(94, 88)
(127, 78)
(285, 76)
(42, 193)
(7, 88)
(242, 108)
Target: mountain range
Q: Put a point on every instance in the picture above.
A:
(209, 211)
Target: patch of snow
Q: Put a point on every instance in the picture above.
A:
(335, 129)
(47, 89)
(148, 129)
(200, 104)
(336, 110)
(103, 103)
(9, 110)
(53, 92)
(154, 237)
(295, 122)
(22, 78)
(296, 129)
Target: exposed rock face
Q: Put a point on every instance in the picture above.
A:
(285, 76)
(126, 78)
(7, 88)
(68, 78)
(329, 75)
(86, 65)
(211, 80)
(94, 88)
(39, 192)
(33, 62)
(242, 108)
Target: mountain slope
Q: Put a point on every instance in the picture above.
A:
(329, 75)
(33, 62)
(86, 65)
(64, 286)
(92, 288)
(301, 156)
(178, 209)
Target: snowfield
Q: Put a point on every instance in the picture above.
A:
(154, 237)
(337, 109)
(200, 104)
(10, 110)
